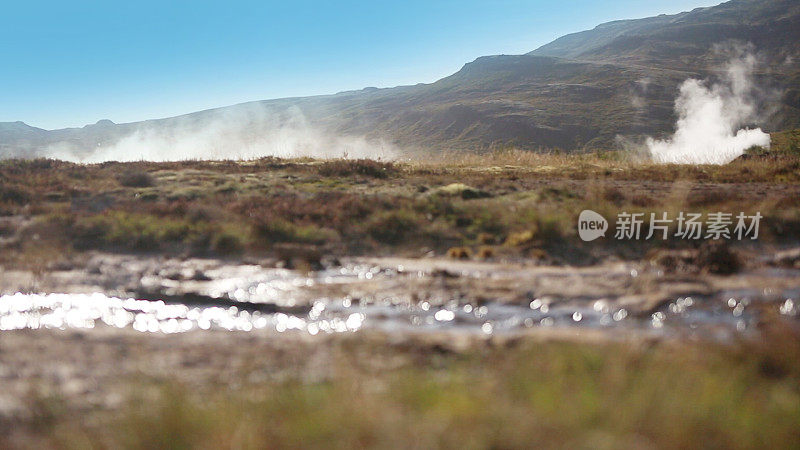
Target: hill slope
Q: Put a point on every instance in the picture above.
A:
(686, 40)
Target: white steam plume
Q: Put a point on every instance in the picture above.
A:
(240, 132)
(710, 119)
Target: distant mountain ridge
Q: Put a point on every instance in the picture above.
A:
(686, 38)
(578, 92)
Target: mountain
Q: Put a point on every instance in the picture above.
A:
(578, 92)
(686, 40)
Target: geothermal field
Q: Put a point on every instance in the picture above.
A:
(229, 295)
(592, 245)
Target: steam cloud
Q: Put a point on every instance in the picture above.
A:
(241, 132)
(710, 118)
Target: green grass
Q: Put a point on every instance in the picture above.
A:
(139, 232)
(279, 230)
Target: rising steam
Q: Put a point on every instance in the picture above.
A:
(241, 132)
(710, 118)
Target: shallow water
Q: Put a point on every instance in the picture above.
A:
(249, 298)
(715, 316)
(35, 311)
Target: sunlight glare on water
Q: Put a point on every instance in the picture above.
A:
(249, 299)
(85, 311)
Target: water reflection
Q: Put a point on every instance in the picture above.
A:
(249, 298)
(62, 311)
(86, 311)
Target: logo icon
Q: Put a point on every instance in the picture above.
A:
(591, 225)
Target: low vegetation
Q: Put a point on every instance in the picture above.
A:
(425, 391)
(500, 395)
(508, 204)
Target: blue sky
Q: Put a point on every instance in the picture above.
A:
(69, 63)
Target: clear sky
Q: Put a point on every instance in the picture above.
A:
(69, 63)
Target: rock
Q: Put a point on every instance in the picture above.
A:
(199, 275)
(61, 265)
(713, 257)
(787, 258)
(673, 261)
(716, 257)
(460, 190)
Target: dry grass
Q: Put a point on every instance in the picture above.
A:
(542, 394)
(527, 200)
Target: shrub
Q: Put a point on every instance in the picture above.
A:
(486, 238)
(13, 194)
(392, 227)
(90, 232)
(278, 230)
(348, 167)
(227, 243)
(136, 178)
(335, 210)
(613, 195)
(487, 222)
(138, 232)
(521, 238)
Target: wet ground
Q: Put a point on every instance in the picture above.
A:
(82, 332)
(155, 295)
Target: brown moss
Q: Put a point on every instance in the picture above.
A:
(485, 252)
(521, 238)
(459, 253)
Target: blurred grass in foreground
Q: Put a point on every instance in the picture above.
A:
(546, 394)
